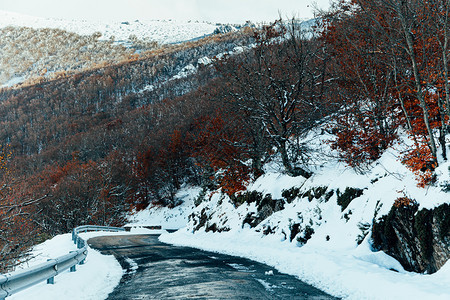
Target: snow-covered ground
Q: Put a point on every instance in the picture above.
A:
(331, 260)
(167, 218)
(356, 274)
(161, 31)
(93, 280)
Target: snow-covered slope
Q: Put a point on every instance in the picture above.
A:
(35, 49)
(175, 218)
(337, 256)
(161, 31)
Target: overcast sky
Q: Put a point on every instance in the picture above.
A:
(233, 11)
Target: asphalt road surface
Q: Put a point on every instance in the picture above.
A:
(159, 271)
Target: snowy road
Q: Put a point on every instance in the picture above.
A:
(159, 271)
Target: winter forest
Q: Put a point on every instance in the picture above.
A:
(108, 130)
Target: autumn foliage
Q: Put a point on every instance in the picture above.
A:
(92, 146)
(392, 73)
(404, 202)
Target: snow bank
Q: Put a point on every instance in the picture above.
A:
(165, 217)
(93, 280)
(358, 274)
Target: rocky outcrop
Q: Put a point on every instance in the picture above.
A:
(419, 240)
(209, 220)
(265, 209)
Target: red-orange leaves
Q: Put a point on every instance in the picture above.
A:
(218, 145)
(403, 201)
(420, 161)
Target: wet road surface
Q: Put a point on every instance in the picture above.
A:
(159, 271)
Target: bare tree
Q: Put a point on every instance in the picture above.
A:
(279, 85)
(406, 32)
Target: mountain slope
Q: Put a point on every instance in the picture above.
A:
(36, 48)
(161, 31)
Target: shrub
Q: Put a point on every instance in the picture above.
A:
(404, 201)
(446, 187)
(201, 196)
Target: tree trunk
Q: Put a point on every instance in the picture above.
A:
(442, 142)
(418, 84)
(294, 171)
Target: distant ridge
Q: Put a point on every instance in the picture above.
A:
(161, 31)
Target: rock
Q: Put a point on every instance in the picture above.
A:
(199, 221)
(265, 209)
(419, 240)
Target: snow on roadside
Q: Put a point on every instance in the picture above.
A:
(342, 274)
(94, 280)
(331, 259)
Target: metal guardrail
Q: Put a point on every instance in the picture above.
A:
(14, 282)
(82, 243)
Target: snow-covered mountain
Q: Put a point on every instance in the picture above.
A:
(35, 49)
(161, 31)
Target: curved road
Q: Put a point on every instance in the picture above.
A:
(159, 271)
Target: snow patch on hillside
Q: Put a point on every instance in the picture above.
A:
(167, 218)
(161, 31)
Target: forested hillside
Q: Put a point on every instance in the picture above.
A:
(88, 147)
(36, 54)
(75, 147)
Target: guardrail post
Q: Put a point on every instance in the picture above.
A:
(73, 268)
(83, 261)
(51, 280)
(80, 243)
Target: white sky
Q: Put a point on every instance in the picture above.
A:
(232, 11)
